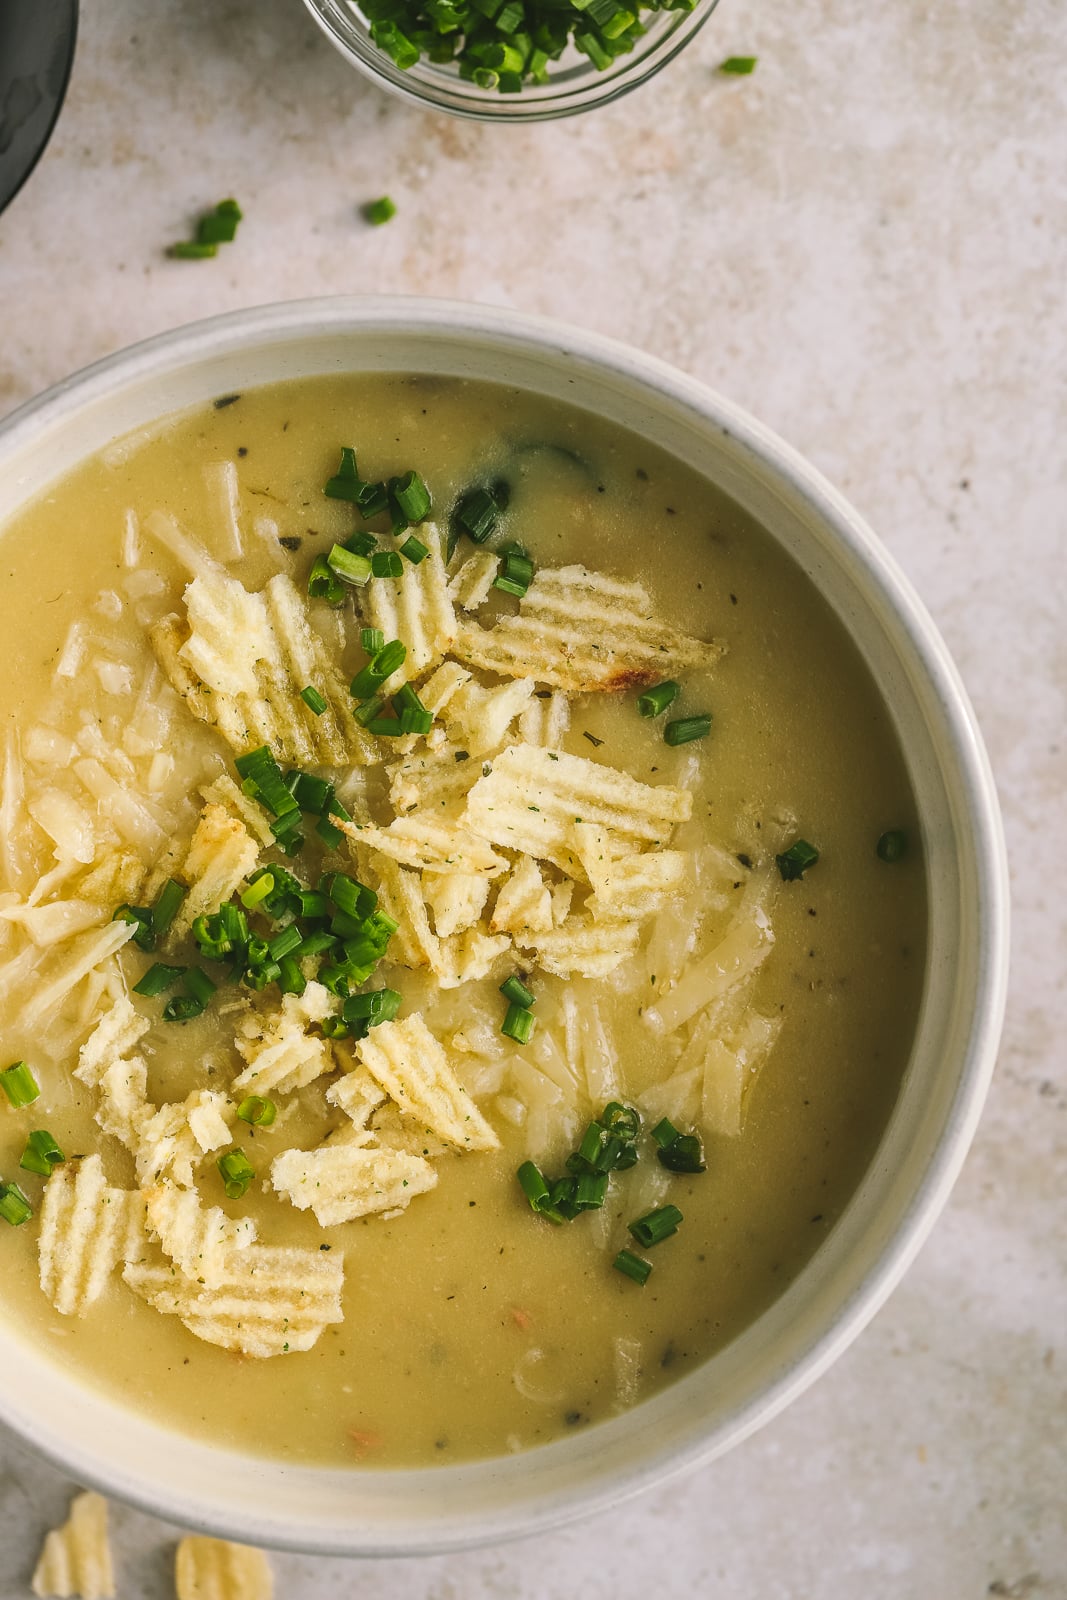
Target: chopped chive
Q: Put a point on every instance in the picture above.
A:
(315, 944)
(416, 721)
(683, 1154)
(381, 666)
(311, 793)
(385, 727)
(655, 701)
(334, 1028)
(141, 917)
(533, 1183)
(372, 640)
(369, 710)
(183, 1008)
(313, 700)
(794, 862)
(351, 896)
(19, 1084)
(257, 1111)
(384, 210)
(234, 923)
(665, 1133)
(414, 550)
(518, 1024)
(375, 1006)
(156, 979)
(237, 1172)
(386, 564)
(259, 889)
(330, 835)
(42, 1153)
(738, 66)
(346, 482)
(590, 1191)
(193, 250)
(165, 909)
(632, 1266)
(622, 1122)
(284, 943)
(515, 990)
(892, 846)
(349, 567)
(14, 1205)
(413, 498)
(655, 1226)
(687, 729)
(290, 978)
(475, 514)
(219, 226)
(361, 544)
(322, 585)
(199, 985)
(515, 575)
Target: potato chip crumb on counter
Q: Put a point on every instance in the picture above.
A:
(75, 1559)
(216, 1569)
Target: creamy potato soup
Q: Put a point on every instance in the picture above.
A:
(445, 1006)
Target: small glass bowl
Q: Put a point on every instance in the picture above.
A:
(574, 84)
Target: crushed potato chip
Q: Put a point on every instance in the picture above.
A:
(438, 779)
(197, 1239)
(114, 880)
(578, 630)
(271, 1300)
(222, 791)
(472, 583)
(358, 1096)
(240, 660)
(221, 854)
(441, 685)
(175, 1138)
(544, 722)
(580, 945)
(76, 1558)
(477, 720)
(119, 1030)
(215, 1569)
(523, 903)
(280, 1053)
(86, 1230)
(430, 843)
(532, 801)
(455, 898)
(415, 607)
(411, 1066)
(340, 1182)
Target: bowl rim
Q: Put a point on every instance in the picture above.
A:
(280, 324)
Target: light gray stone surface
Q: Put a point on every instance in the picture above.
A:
(863, 243)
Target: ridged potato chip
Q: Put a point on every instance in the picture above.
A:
(472, 583)
(411, 1066)
(477, 720)
(533, 799)
(455, 898)
(215, 1569)
(429, 843)
(545, 721)
(523, 903)
(272, 1300)
(76, 1558)
(415, 607)
(197, 1238)
(342, 1181)
(87, 1229)
(578, 630)
(280, 1053)
(592, 949)
(221, 854)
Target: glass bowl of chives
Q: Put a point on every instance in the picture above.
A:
(510, 60)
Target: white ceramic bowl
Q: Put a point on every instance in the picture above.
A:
(367, 1512)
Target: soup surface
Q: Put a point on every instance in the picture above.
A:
(770, 1015)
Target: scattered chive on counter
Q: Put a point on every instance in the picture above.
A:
(738, 66)
(378, 211)
(214, 228)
